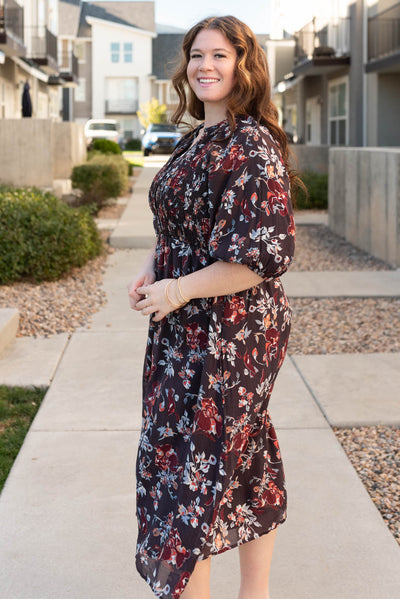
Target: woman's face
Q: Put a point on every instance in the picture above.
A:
(212, 67)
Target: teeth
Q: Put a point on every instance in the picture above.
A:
(207, 80)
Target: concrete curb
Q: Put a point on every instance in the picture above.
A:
(9, 321)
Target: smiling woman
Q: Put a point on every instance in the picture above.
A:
(211, 72)
(209, 469)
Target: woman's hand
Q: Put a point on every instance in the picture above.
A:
(154, 299)
(145, 277)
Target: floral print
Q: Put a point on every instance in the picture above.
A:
(209, 468)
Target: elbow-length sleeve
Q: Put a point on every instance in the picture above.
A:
(250, 189)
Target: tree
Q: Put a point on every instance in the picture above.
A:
(152, 112)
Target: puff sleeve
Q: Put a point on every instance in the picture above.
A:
(249, 188)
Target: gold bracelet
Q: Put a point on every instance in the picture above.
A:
(180, 291)
(170, 302)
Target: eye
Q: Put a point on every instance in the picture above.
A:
(195, 55)
(220, 55)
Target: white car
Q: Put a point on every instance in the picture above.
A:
(101, 129)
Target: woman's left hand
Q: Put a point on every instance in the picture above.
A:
(155, 301)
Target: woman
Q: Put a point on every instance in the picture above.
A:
(209, 470)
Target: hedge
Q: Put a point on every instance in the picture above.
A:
(41, 238)
(317, 187)
(100, 179)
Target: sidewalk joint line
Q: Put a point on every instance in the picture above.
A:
(315, 398)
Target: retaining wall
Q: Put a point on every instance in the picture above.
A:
(364, 199)
(38, 151)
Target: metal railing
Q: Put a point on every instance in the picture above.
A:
(384, 33)
(122, 106)
(42, 44)
(12, 18)
(322, 38)
(68, 63)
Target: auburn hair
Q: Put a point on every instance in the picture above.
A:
(251, 94)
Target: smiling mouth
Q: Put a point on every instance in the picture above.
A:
(208, 80)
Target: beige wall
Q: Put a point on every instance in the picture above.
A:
(364, 199)
(38, 151)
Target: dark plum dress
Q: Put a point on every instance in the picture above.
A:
(209, 468)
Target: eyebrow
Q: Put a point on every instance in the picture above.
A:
(214, 50)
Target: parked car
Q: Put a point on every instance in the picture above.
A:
(102, 129)
(161, 138)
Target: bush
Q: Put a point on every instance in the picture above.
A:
(100, 179)
(317, 186)
(41, 238)
(105, 146)
(133, 145)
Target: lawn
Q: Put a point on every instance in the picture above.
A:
(135, 158)
(18, 407)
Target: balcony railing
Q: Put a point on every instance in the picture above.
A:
(384, 33)
(42, 46)
(123, 106)
(323, 39)
(12, 26)
(68, 66)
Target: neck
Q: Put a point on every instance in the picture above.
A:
(214, 114)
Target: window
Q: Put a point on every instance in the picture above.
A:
(80, 52)
(114, 51)
(121, 95)
(338, 113)
(80, 91)
(128, 50)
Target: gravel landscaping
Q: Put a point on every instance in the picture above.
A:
(345, 325)
(318, 248)
(57, 306)
(374, 452)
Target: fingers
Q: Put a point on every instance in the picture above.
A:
(143, 290)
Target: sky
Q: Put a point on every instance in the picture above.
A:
(185, 13)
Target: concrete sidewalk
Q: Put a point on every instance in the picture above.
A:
(67, 512)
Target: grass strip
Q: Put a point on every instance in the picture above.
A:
(18, 406)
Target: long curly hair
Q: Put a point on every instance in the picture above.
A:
(251, 94)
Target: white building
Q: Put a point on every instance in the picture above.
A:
(113, 44)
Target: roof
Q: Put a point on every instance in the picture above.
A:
(133, 14)
(166, 54)
(68, 17)
(139, 14)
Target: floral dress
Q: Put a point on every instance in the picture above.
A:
(209, 468)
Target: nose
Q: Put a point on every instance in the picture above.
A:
(206, 63)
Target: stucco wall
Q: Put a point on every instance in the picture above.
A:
(37, 151)
(364, 199)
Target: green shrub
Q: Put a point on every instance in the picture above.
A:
(100, 179)
(105, 146)
(41, 238)
(317, 186)
(133, 145)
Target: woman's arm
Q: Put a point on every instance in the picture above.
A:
(220, 278)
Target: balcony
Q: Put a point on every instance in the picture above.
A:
(121, 106)
(68, 67)
(12, 28)
(322, 46)
(384, 40)
(42, 48)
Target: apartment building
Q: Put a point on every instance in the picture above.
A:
(344, 84)
(112, 42)
(28, 54)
